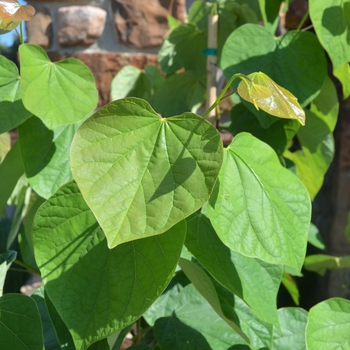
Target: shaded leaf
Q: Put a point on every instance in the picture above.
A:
(279, 135)
(180, 93)
(50, 339)
(315, 238)
(58, 93)
(131, 82)
(252, 178)
(254, 281)
(260, 50)
(164, 305)
(13, 112)
(206, 288)
(183, 49)
(328, 325)
(139, 173)
(332, 26)
(292, 288)
(316, 139)
(63, 336)
(20, 324)
(11, 169)
(193, 324)
(265, 94)
(347, 229)
(6, 260)
(99, 299)
(45, 155)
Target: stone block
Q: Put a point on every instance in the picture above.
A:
(39, 28)
(105, 66)
(80, 25)
(142, 24)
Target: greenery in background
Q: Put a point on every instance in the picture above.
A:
(139, 219)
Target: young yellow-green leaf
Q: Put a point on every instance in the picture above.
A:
(265, 94)
(328, 325)
(139, 173)
(259, 208)
(58, 93)
(98, 291)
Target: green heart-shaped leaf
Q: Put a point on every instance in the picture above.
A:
(265, 94)
(45, 155)
(332, 25)
(98, 291)
(259, 208)
(260, 50)
(328, 326)
(20, 324)
(235, 271)
(139, 173)
(58, 93)
(13, 112)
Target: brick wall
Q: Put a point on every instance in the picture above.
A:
(105, 34)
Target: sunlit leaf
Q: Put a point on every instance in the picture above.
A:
(328, 326)
(265, 94)
(291, 335)
(98, 291)
(58, 93)
(139, 173)
(259, 208)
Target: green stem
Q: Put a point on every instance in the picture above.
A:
(21, 30)
(20, 34)
(30, 269)
(303, 20)
(221, 96)
(138, 332)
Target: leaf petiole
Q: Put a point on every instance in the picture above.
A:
(222, 95)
